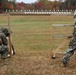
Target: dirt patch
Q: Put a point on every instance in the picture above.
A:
(36, 63)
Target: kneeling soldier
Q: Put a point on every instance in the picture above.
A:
(4, 33)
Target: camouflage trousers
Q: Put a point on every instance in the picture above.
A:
(3, 50)
(67, 55)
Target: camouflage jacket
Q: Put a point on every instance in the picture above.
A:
(3, 38)
(72, 43)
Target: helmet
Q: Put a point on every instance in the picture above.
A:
(5, 31)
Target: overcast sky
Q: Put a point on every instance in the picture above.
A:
(30, 1)
(26, 1)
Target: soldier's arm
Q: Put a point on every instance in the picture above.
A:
(72, 42)
(4, 39)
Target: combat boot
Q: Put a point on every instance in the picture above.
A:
(5, 55)
(64, 62)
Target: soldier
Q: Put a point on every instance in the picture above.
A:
(72, 46)
(4, 33)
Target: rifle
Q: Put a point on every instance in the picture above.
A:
(11, 47)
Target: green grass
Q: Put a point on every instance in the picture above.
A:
(63, 19)
(33, 32)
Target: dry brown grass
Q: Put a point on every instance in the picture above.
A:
(36, 63)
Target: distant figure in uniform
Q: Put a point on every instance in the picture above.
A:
(72, 46)
(4, 33)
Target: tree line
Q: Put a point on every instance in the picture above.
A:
(38, 5)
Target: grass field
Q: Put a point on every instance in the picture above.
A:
(31, 38)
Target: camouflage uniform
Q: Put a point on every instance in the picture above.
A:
(4, 42)
(72, 46)
(70, 50)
